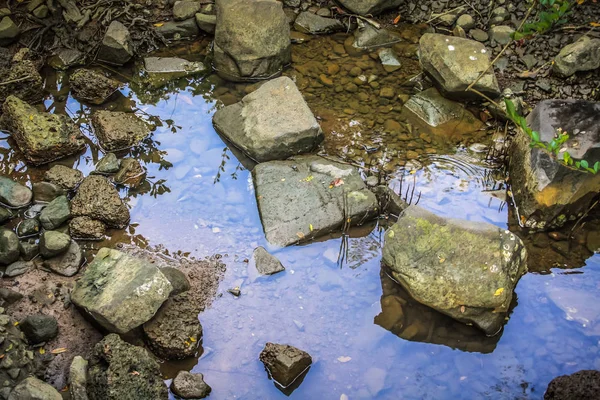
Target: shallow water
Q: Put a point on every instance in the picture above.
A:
(368, 339)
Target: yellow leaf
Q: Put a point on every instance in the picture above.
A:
(412, 171)
(594, 24)
(499, 292)
(310, 227)
(59, 350)
(158, 25)
(192, 339)
(31, 117)
(16, 323)
(391, 234)
(187, 343)
(42, 351)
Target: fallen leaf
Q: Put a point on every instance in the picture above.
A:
(499, 292)
(158, 25)
(308, 178)
(462, 309)
(397, 19)
(528, 74)
(344, 359)
(31, 117)
(192, 339)
(59, 350)
(300, 235)
(310, 227)
(594, 24)
(134, 373)
(336, 182)
(391, 234)
(42, 351)
(16, 323)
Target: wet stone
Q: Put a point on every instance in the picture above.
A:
(67, 263)
(389, 60)
(5, 215)
(9, 247)
(53, 243)
(109, 164)
(176, 30)
(27, 83)
(14, 194)
(161, 70)
(9, 31)
(187, 385)
(583, 55)
(55, 213)
(582, 385)
(117, 46)
(87, 228)
(98, 199)
(185, 9)
(29, 249)
(65, 177)
(178, 280)
(34, 389)
(117, 130)
(284, 363)
(266, 263)
(501, 34)
(91, 86)
(64, 59)
(18, 268)
(369, 7)
(45, 192)
(131, 172)
(39, 328)
(369, 37)
(307, 22)
(206, 22)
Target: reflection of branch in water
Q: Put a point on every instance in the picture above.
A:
(343, 252)
(410, 189)
(224, 158)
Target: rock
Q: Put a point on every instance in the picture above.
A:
(41, 12)
(9, 296)
(91, 86)
(389, 60)
(190, 386)
(55, 213)
(252, 39)
(53, 243)
(177, 30)
(18, 268)
(547, 193)
(41, 137)
(284, 363)
(14, 194)
(68, 263)
(582, 385)
(5, 214)
(22, 80)
(273, 122)
(65, 177)
(131, 172)
(466, 22)
(266, 263)
(309, 196)
(45, 192)
(161, 70)
(368, 37)
(369, 7)
(119, 291)
(174, 333)
(98, 199)
(185, 9)
(78, 378)
(479, 35)
(39, 328)
(314, 24)
(9, 31)
(34, 389)
(390, 201)
(29, 249)
(502, 34)
(118, 130)
(9, 247)
(28, 227)
(110, 374)
(454, 63)
(109, 164)
(18, 361)
(117, 46)
(499, 15)
(206, 22)
(64, 58)
(463, 269)
(178, 280)
(583, 55)
(87, 229)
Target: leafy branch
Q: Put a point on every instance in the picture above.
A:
(554, 12)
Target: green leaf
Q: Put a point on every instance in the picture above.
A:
(535, 136)
(584, 164)
(510, 110)
(577, 164)
(590, 170)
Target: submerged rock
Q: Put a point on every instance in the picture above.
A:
(271, 123)
(161, 70)
(111, 372)
(582, 385)
(28, 227)
(284, 363)
(14, 194)
(87, 228)
(131, 172)
(98, 199)
(118, 130)
(369, 7)
(547, 193)
(67, 263)
(368, 37)
(65, 177)
(307, 22)
(41, 137)
(252, 39)
(117, 46)
(39, 328)
(266, 263)
(9, 247)
(56, 213)
(119, 291)
(454, 63)
(190, 386)
(583, 55)
(463, 269)
(91, 86)
(34, 389)
(309, 196)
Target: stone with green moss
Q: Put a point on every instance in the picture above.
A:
(466, 270)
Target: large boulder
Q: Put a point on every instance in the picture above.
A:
(466, 270)
(41, 137)
(117, 46)
(252, 39)
(98, 199)
(310, 196)
(119, 291)
(369, 7)
(582, 385)
(120, 371)
(583, 55)
(546, 192)
(454, 63)
(271, 123)
(14, 194)
(34, 389)
(118, 130)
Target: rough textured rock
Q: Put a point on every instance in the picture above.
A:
(369, 7)
(64, 58)
(178, 280)
(110, 372)
(34, 389)
(252, 39)
(109, 164)
(9, 31)
(14, 194)
(53, 243)
(309, 196)
(39, 328)
(41, 137)
(9, 247)
(56, 213)
(119, 291)
(98, 199)
(67, 263)
(17, 363)
(185, 9)
(308, 22)
(583, 55)
(45, 192)
(118, 130)
(91, 86)
(266, 263)
(454, 63)
(547, 193)
(78, 378)
(271, 123)
(175, 332)
(161, 70)
(21, 79)
(284, 363)
(131, 172)
(87, 228)
(206, 22)
(65, 177)
(190, 386)
(117, 46)
(463, 269)
(18, 268)
(582, 385)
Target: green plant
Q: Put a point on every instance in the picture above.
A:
(554, 146)
(554, 12)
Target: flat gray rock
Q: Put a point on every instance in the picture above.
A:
(161, 70)
(266, 263)
(67, 263)
(307, 22)
(583, 55)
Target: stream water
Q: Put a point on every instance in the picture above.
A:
(368, 339)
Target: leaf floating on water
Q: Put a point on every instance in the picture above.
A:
(499, 292)
(59, 350)
(344, 359)
(413, 171)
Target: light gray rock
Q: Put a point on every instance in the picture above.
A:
(190, 386)
(266, 263)
(119, 291)
(14, 194)
(273, 122)
(53, 243)
(501, 34)
(583, 55)
(34, 389)
(466, 22)
(186, 9)
(309, 196)
(369, 7)
(9, 31)
(18, 268)
(466, 270)
(67, 263)
(117, 46)
(389, 60)
(161, 70)
(57, 212)
(78, 378)
(64, 59)
(307, 22)
(206, 22)
(454, 63)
